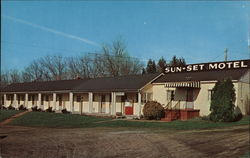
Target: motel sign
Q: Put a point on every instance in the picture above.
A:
(209, 66)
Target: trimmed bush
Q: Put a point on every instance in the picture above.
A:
(205, 118)
(4, 108)
(153, 110)
(11, 108)
(21, 107)
(35, 108)
(64, 111)
(222, 101)
(49, 110)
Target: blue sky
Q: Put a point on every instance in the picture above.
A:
(197, 31)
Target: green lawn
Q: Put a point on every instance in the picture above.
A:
(196, 123)
(69, 120)
(55, 120)
(247, 155)
(5, 114)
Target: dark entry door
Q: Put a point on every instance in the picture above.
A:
(189, 95)
(60, 100)
(189, 102)
(103, 100)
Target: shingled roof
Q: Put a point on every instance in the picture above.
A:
(61, 85)
(123, 83)
(234, 74)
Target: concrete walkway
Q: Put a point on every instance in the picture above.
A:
(12, 118)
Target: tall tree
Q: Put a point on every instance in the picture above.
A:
(55, 66)
(114, 60)
(177, 61)
(15, 76)
(222, 101)
(162, 64)
(5, 78)
(143, 71)
(35, 72)
(151, 67)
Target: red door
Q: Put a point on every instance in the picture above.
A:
(129, 110)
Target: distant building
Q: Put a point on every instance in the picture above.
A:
(187, 87)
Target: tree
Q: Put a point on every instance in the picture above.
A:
(111, 60)
(143, 71)
(35, 72)
(162, 64)
(15, 76)
(151, 67)
(222, 101)
(114, 60)
(177, 61)
(79, 67)
(55, 66)
(5, 78)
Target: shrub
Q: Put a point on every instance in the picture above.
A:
(153, 110)
(237, 114)
(49, 110)
(11, 108)
(21, 107)
(4, 108)
(64, 111)
(205, 118)
(35, 108)
(222, 101)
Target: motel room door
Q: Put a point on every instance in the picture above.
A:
(103, 101)
(190, 97)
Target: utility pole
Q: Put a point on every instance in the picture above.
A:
(225, 53)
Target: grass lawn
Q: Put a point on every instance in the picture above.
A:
(5, 114)
(247, 155)
(68, 120)
(56, 120)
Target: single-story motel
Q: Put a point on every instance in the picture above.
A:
(188, 87)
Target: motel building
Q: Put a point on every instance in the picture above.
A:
(187, 89)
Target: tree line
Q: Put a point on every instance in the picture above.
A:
(110, 61)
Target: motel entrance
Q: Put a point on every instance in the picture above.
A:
(180, 100)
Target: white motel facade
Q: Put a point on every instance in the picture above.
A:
(188, 87)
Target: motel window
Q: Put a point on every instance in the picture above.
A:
(9, 97)
(59, 98)
(210, 93)
(103, 98)
(78, 98)
(31, 98)
(46, 98)
(170, 95)
(96, 98)
(124, 98)
(147, 97)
